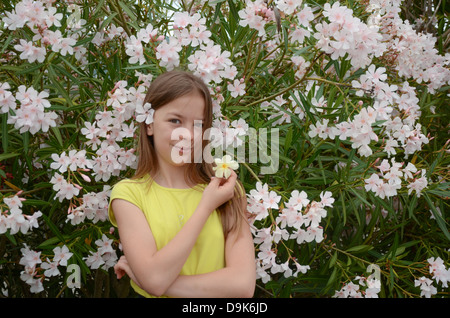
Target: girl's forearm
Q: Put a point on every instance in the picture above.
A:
(223, 283)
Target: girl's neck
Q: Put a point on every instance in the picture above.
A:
(171, 178)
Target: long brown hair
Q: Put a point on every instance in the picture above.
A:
(164, 89)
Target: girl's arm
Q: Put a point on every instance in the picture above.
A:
(156, 270)
(237, 279)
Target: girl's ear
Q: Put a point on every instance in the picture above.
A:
(150, 129)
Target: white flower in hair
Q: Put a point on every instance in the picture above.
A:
(144, 113)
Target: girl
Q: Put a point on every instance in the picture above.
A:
(183, 231)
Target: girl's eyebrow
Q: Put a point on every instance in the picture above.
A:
(180, 116)
(175, 114)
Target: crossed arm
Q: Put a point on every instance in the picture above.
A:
(157, 271)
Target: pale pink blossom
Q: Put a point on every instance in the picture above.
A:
(298, 200)
(62, 255)
(236, 88)
(30, 52)
(51, 268)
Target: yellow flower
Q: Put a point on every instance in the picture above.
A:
(223, 166)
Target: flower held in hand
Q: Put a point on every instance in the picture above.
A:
(223, 166)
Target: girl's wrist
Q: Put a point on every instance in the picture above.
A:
(207, 206)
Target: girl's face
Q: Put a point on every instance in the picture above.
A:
(177, 129)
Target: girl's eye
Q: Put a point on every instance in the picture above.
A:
(175, 121)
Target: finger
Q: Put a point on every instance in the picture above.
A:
(119, 272)
(215, 181)
(233, 175)
(231, 181)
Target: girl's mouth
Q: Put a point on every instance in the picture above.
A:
(183, 148)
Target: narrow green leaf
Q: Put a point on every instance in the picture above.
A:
(58, 136)
(359, 249)
(5, 135)
(333, 260)
(53, 227)
(127, 10)
(355, 192)
(5, 156)
(439, 220)
(57, 84)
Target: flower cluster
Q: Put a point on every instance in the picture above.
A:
(359, 130)
(256, 15)
(41, 18)
(440, 274)
(110, 128)
(134, 46)
(345, 35)
(399, 133)
(13, 220)
(94, 207)
(405, 134)
(33, 274)
(31, 115)
(427, 289)
(389, 179)
(298, 220)
(104, 136)
(414, 54)
(73, 161)
(389, 102)
(190, 30)
(207, 61)
(105, 257)
(366, 287)
(64, 189)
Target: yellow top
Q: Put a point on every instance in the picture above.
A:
(166, 211)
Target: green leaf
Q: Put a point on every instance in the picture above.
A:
(53, 228)
(5, 156)
(57, 85)
(333, 279)
(127, 10)
(359, 249)
(439, 220)
(58, 136)
(333, 260)
(5, 135)
(359, 195)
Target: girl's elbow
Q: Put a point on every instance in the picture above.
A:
(154, 287)
(250, 291)
(247, 293)
(153, 290)
(246, 288)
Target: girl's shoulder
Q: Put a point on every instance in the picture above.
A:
(137, 184)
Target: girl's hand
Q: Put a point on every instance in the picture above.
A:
(219, 191)
(122, 268)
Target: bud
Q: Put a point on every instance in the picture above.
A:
(85, 177)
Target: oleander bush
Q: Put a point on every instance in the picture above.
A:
(340, 108)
